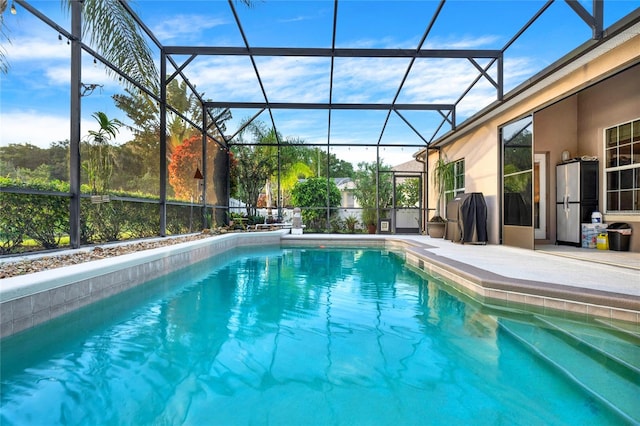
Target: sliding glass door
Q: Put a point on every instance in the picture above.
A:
(517, 183)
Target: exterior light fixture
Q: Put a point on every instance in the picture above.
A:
(13, 8)
(198, 174)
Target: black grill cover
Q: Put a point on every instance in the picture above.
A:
(473, 215)
(467, 218)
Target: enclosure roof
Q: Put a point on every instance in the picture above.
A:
(347, 73)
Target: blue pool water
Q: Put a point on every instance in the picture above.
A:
(302, 337)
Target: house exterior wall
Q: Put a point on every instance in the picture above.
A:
(577, 124)
(479, 149)
(570, 113)
(612, 102)
(555, 130)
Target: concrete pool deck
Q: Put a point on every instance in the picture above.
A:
(604, 284)
(605, 270)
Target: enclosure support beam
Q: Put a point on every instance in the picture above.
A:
(202, 186)
(163, 144)
(74, 134)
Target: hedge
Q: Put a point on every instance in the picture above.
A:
(42, 218)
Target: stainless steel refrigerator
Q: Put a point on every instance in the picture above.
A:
(576, 199)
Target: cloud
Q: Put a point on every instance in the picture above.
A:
(50, 128)
(285, 79)
(186, 27)
(36, 49)
(356, 80)
(94, 74)
(487, 41)
(298, 18)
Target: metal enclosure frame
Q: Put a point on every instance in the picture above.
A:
(447, 111)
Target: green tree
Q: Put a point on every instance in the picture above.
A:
(20, 159)
(366, 180)
(128, 174)
(115, 35)
(58, 160)
(365, 185)
(255, 167)
(442, 179)
(4, 35)
(316, 158)
(290, 177)
(118, 38)
(24, 155)
(311, 196)
(408, 192)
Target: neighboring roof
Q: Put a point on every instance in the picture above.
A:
(344, 183)
(409, 166)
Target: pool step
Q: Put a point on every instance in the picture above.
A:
(609, 378)
(602, 343)
(627, 331)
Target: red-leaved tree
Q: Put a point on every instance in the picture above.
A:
(185, 160)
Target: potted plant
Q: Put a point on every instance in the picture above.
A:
(442, 178)
(369, 219)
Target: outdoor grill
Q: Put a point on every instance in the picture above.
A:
(467, 219)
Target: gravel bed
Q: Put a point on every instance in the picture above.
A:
(28, 264)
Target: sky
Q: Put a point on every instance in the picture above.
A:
(34, 94)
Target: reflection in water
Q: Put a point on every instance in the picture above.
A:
(292, 336)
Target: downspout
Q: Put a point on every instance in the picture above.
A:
(425, 191)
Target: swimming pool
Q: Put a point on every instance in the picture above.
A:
(313, 336)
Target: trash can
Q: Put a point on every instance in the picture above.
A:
(619, 236)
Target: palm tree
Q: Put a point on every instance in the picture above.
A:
(116, 36)
(4, 65)
(114, 33)
(100, 158)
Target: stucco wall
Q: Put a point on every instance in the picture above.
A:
(614, 101)
(569, 113)
(481, 155)
(577, 124)
(555, 129)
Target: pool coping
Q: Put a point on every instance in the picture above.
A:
(487, 287)
(28, 300)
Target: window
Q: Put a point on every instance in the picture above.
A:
(622, 167)
(458, 181)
